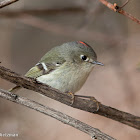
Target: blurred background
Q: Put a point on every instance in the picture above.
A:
(28, 29)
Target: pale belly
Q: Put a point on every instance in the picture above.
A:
(66, 81)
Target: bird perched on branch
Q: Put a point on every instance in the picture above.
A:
(64, 67)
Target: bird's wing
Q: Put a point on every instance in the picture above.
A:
(45, 66)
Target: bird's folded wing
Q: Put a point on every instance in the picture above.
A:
(39, 70)
(43, 68)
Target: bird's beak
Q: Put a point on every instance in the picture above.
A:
(97, 63)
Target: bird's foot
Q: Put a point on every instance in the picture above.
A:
(97, 103)
(92, 99)
(72, 97)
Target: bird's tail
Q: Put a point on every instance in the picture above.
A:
(15, 89)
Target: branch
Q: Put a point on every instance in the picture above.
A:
(82, 104)
(118, 9)
(38, 12)
(4, 3)
(61, 30)
(93, 132)
(44, 25)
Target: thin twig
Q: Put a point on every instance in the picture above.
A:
(118, 9)
(7, 2)
(83, 104)
(129, 16)
(93, 132)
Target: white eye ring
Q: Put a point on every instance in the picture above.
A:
(84, 58)
(57, 64)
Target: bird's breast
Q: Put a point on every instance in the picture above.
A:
(65, 79)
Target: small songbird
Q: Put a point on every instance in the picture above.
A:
(64, 67)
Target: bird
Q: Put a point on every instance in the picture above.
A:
(65, 67)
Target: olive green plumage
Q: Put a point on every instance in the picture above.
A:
(64, 67)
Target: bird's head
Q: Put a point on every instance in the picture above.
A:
(80, 53)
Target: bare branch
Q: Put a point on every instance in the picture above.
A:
(61, 30)
(6, 2)
(121, 11)
(118, 9)
(93, 132)
(41, 11)
(83, 104)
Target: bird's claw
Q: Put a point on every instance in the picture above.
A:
(97, 103)
(72, 97)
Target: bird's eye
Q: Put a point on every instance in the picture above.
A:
(57, 64)
(83, 57)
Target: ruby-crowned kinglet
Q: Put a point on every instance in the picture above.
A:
(64, 67)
